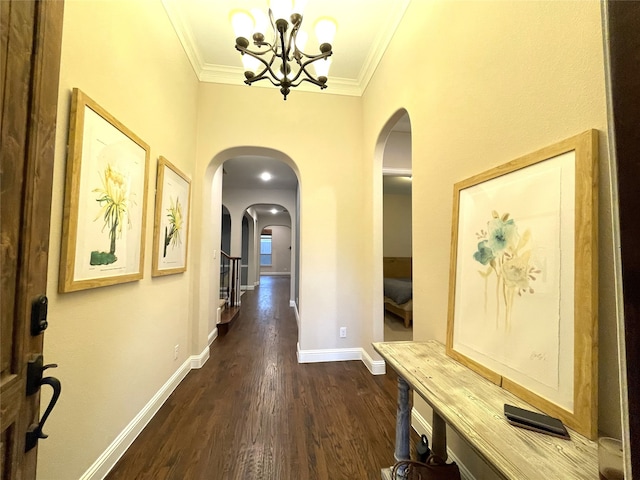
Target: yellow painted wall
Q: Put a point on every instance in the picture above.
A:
(495, 80)
(114, 345)
(320, 136)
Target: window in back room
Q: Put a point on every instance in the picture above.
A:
(265, 248)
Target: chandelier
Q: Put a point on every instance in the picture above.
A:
(282, 61)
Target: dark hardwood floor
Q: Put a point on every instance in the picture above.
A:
(252, 412)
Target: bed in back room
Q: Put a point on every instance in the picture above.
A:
(398, 291)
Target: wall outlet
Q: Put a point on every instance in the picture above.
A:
(176, 350)
(343, 332)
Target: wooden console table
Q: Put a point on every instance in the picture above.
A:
(473, 407)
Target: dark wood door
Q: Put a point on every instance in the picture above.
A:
(31, 34)
(622, 24)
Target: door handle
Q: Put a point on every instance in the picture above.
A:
(35, 369)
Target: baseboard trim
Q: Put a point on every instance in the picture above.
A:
(212, 336)
(376, 367)
(420, 424)
(329, 355)
(422, 427)
(197, 361)
(105, 462)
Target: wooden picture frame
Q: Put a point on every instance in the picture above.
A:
(171, 226)
(523, 279)
(105, 203)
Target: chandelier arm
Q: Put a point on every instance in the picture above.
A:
(274, 29)
(257, 78)
(304, 69)
(249, 81)
(264, 44)
(262, 76)
(267, 66)
(253, 53)
(313, 58)
(292, 39)
(285, 49)
(310, 80)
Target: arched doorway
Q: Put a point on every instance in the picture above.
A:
(392, 212)
(396, 233)
(237, 200)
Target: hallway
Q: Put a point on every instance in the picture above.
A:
(253, 413)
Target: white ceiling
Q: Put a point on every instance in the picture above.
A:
(244, 172)
(365, 28)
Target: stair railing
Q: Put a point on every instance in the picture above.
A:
(230, 279)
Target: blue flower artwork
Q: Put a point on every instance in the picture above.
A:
(507, 254)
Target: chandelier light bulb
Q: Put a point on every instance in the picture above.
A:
(322, 67)
(325, 30)
(299, 6)
(281, 9)
(301, 40)
(261, 20)
(250, 63)
(242, 23)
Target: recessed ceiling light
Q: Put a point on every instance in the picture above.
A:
(274, 211)
(266, 176)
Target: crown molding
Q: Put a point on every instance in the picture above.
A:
(184, 34)
(381, 43)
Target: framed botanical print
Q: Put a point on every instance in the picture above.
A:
(171, 226)
(105, 200)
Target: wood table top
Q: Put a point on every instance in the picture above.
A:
(473, 407)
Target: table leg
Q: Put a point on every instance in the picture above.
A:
(439, 436)
(403, 422)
